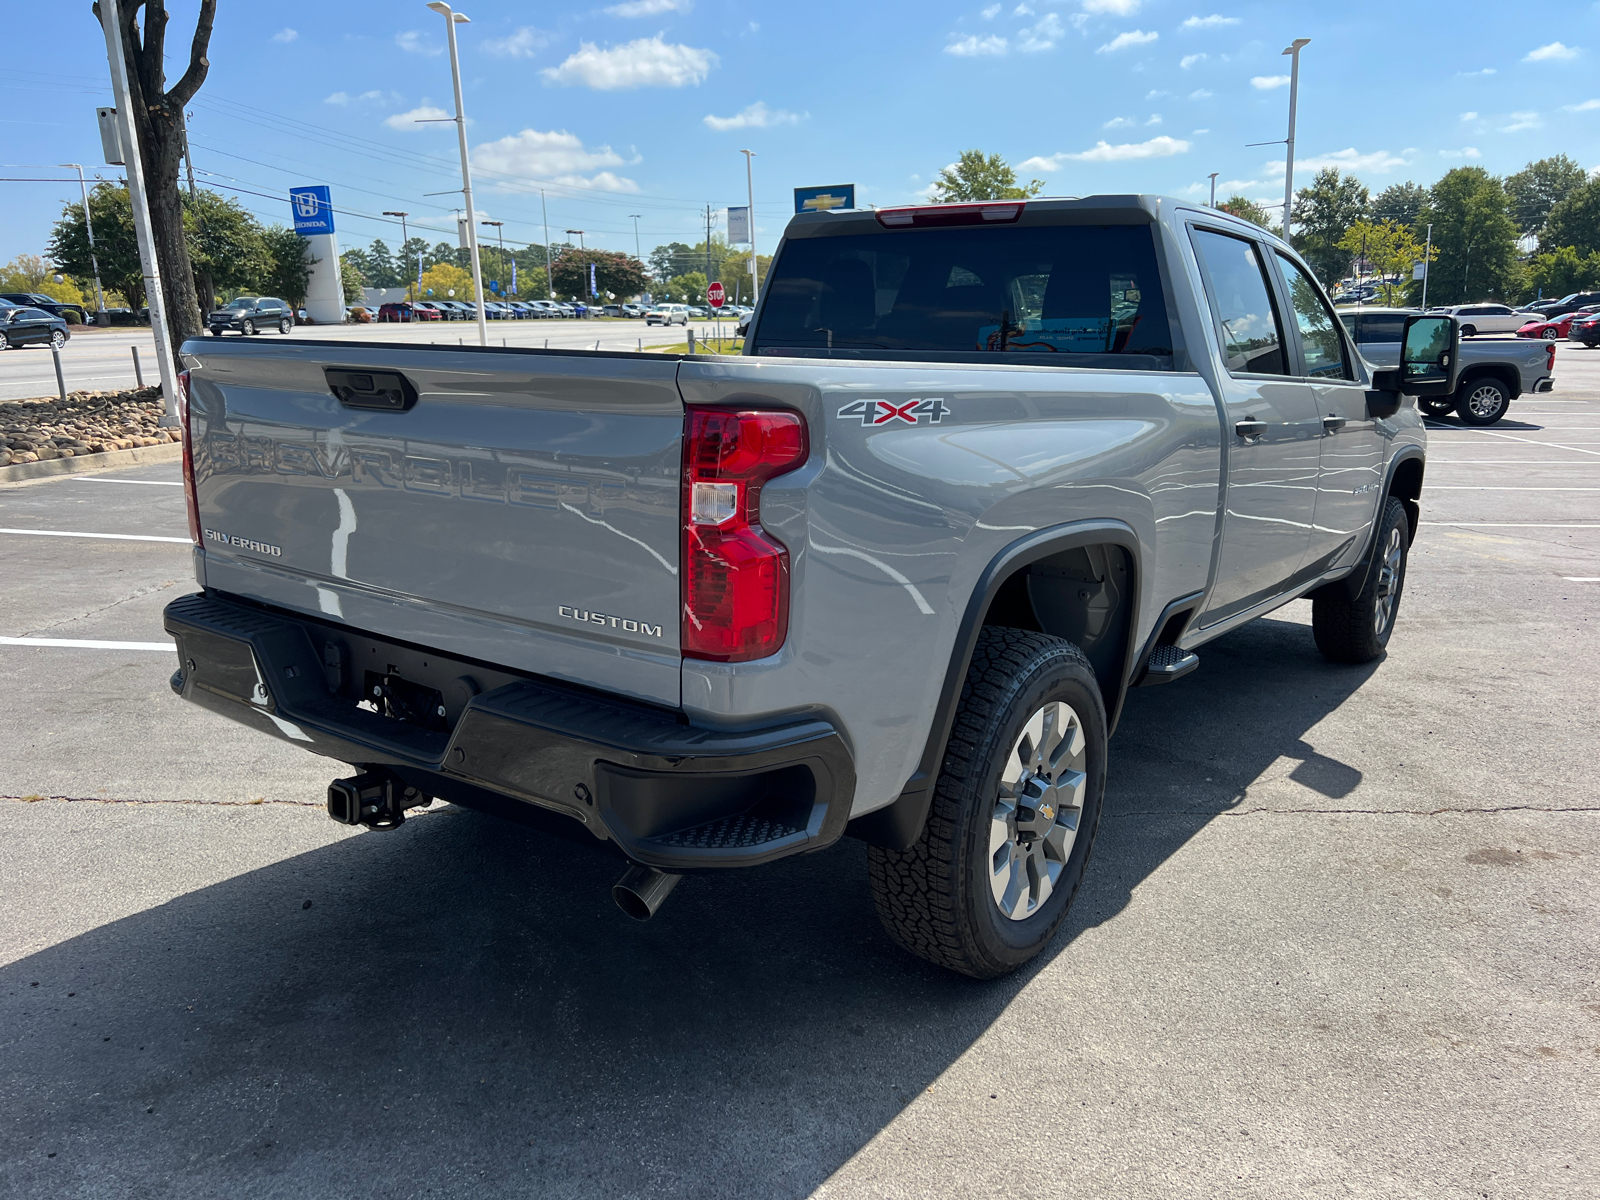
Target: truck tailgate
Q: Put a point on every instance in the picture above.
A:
(521, 510)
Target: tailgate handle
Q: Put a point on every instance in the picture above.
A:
(383, 391)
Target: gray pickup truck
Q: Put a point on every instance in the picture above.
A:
(1493, 371)
(891, 573)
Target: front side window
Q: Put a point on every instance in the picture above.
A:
(1319, 330)
(1050, 291)
(1241, 301)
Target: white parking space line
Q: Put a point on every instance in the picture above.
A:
(86, 644)
(1582, 578)
(114, 537)
(1474, 487)
(109, 479)
(1507, 525)
(1548, 445)
(1511, 462)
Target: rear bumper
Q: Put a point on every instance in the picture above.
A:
(671, 795)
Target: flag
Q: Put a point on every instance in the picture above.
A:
(419, 268)
(593, 290)
(513, 277)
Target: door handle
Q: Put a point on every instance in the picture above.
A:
(1250, 428)
(1333, 424)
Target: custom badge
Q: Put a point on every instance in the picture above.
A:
(885, 412)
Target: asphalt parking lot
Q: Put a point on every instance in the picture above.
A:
(1340, 936)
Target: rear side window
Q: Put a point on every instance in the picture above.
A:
(1241, 301)
(1058, 293)
(1380, 327)
(1320, 343)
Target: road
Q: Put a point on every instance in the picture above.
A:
(1340, 937)
(101, 359)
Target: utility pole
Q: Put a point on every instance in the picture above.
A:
(99, 295)
(750, 219)
(1427, 263)
(111, 24)
(1293, 50)
(1214, 175)
(207, 287)
(637, 252)
(583, 286)
(549, 278)
(451, 19)
(500, 231)
(403, 240)
(708, 244)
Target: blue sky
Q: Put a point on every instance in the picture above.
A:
(641, 106)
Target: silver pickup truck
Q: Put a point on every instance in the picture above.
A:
(891, 573)
(1492, 373)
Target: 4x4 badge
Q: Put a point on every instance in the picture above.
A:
(882, 412)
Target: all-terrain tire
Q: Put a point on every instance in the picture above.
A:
(935, 899)
(1482, 401)
(1357, 631)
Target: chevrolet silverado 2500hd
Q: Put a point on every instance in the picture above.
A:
(980, 470)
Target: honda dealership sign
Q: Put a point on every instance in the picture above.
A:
(313, 210)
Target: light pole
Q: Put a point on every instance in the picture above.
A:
(750, 217)
(451, 19)
(637, 252)
(499, 228)
(403, 240)
(549, 275)
(99, 296)
(579, 232)
(584, 285)
(1214, 175)
(1293, 50)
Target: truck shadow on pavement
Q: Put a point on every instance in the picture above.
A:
(462, 1011)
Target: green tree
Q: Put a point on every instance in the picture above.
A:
(1561, 272)
(979, 176)
(1324, 211)
(1574, 221)
(1539, 187)
(622, 275)
(226, 250)
(446, 281)
(1400, 202)
(688, 288)
(351, 278)
(1474, 238)
(1246, 209)
(116, 246)
(287, 267)
(674, 258)
(1389, 246)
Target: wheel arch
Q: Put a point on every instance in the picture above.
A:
(1038, 582)
(1404, 483)
(1500, 372)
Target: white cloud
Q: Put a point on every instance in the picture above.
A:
(338, 98)
(524, 43)
(1114, 8)
(1214, 21)
(1348, 159)
(1134, 37)
(1469, 74)
(972, 46)
(407, 122)
(413, 42)
(1198, 132)
(1189, 60)
(1042, 36)
(1200, 94)
(1156, 147)
(1022, 10)
(1120, 123)
(1266, 83)
(554, 157)
(649, 8)
(990, 13)
(1469, 116)
(1155, 95)
(1155, 119)
(376, 94)
(755, 116)
(1464, 152)
(1586, 106)
(645, 62)
(1555, 51)
(285, 35)
(1521, 121)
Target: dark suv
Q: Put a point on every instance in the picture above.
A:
(251, 314)
(56, 308)
(1558, 308)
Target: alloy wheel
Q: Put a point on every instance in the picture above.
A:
(1037, 812)
(1484, 400)
(1388, 591)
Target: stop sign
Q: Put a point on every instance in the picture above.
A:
(714, 294)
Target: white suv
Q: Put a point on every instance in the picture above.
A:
(1488, 318)
(668, 314)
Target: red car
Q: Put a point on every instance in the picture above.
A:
(1555, 328)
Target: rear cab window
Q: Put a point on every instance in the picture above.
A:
(1063, 294)
(1241, 303)
(1321, 347)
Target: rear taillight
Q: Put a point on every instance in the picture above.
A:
(935, 215)
(735, 576)
(189, 493)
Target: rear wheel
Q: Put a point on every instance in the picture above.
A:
(1357, 631)
(1437, 406)
(285, 325)
(1015, 807)
(58, 339)
(1550, 335)
(1482, 401)
(1468, 330)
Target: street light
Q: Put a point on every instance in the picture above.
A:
(99, 296)
(637, 252)
(750, 219)
(1214, 175)
(1293, 50)
(579, 232)
(499, 228)
(403, 240)
(451, 19)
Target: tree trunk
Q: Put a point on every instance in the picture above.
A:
(157, 117)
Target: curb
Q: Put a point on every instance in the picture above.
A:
(83, 464)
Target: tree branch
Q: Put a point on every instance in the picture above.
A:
(183, 91)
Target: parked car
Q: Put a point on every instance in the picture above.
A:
(1585, 330)
(743, 327)
(519, 309)
(544, 309)
(699, 311)
(23, 325)
(250, 315)
(612, 310)
(1571, 303)
(1492, 373)
(988, 561)
(633, 310)
(667, 314)
(427, 310)
(1486, 317)
(56, 308)
(399, 311)
(580, 309)
(1551, 329)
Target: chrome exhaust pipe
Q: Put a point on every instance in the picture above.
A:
(642, 890)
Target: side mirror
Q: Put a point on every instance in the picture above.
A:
(1429, 356)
